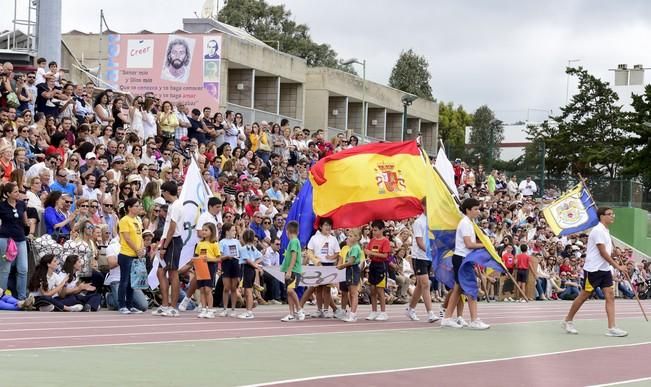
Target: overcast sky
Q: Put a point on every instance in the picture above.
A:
(509, 55)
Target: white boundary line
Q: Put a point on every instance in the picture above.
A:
(194, 340)
(621, 382)
(332, 376)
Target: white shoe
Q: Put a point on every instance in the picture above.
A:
(432, 317)
(171, 312)
(275, 302)
(183, 306)
(327, 314)
(202, 313)
(569, 327)
(317, 314)
(133, 310)
(450, 323)
(80, 307)
(232, 313)
(462, 322)
(287, 318)
(223, 313)
(340, 314)
(300, 315)
(382, 317)
(160, 311)
(352, 317)
(45, 308)
(248, 315)
(124, 311)
(522, 300)
(478, 325)
(411, 313)
(616, 332)
(210, 314)
(372, 316)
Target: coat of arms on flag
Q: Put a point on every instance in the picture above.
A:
(573, 212)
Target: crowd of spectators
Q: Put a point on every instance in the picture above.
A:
(72, 155)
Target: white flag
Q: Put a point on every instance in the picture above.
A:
(444, 167)
(194, 196)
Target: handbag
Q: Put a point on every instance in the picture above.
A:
(12, 250)
(139, 274)
(264, 146)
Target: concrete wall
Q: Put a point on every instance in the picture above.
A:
(429, 135)
(242, 77)
(355, 117)
(316, 109)
(291, 100)
(394, 126)
(266, 94)
(377, 130)
(632, 226)
(337, 104)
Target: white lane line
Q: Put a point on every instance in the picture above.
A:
(194, 321)
(621, 382)
(290, 325)
(472, 362)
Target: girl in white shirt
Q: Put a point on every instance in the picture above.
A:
(45, 285)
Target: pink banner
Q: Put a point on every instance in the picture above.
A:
(177, 68)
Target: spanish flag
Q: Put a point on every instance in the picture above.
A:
(375, 181)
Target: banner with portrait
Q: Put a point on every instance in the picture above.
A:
(182, 68)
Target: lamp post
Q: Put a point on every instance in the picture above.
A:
(407, 100)
(567, 86)
(543, 150)
(363, 63)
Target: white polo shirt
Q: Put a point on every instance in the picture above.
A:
(593, 259)
(464, 229)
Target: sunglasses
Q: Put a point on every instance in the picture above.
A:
(84, 206)
(94, 206)
(265, 222)
(68, 201)
(108, 205)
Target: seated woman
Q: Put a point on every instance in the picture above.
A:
(9, 303)
(57, 217)
(46, 285)
(75, 292)
(82, 244)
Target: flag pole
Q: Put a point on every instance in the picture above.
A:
(456, 199)
(628, 278)
(585, 186)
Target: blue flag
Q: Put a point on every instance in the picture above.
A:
(440, 248)
(303, 213)
(467, 278)
(572, 213)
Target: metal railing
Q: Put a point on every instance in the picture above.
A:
(254, 115)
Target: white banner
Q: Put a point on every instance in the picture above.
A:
(194, 196)
(312, 275)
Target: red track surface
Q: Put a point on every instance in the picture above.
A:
(23, 330)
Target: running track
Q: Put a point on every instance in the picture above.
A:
(592, 365)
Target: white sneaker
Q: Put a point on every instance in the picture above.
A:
(275, 302)
(317, 314)
(160, 311)
(183, 306)
(327, 314)
(80, 307)
(124, 311)
(432, 317)
(248, 315)
(340, 314)
(352, 317)
(287, 318)
(223, 313)
(171, 312)
(232, 313)
(450, 323)
(616, 332)
(133, 310)
(300, 315)
(478, 325)
(202, 313)
(411, 313)
(382, 316)
(569, 327)
(509, 299)
(462, 322)
(372, 316)
(522, 300)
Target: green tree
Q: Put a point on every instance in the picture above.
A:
(273, 25)
(586, 137)
(452, 128)
(411, 75)
(638, 123)
(486, 134)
